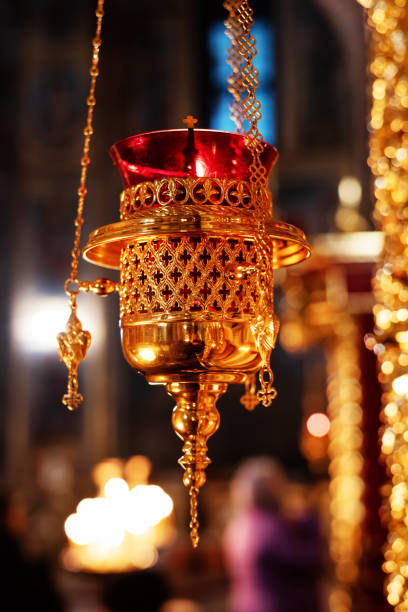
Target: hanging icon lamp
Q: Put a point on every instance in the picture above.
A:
(196, 246)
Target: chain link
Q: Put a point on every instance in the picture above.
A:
(74, 342)
(233, 30)
(245, 79)
(85, 159)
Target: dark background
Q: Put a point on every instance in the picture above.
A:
(154, 70)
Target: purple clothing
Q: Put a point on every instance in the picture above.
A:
(266, 563)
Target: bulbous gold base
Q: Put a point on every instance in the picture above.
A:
(196, 359)
(163, 349)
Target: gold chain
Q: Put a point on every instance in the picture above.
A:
(245, 79)
(85, 159)
(252, 106)
(233, 30)
(74, 342)
(239, 24)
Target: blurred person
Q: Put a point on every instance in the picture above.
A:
(273, 563)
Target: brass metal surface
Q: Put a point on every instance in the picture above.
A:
(163, 349)
(196, 256)
(195, 418)
(226, 192)
(207, 275)
(106, 243)
(73, 345)
(196, 259)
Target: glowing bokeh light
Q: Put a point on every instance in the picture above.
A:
(318, 424)
(121, 528)
(38, 319)
(388, 159)
(400, 385)
(116, 489)
(77, 530)
(349, 191)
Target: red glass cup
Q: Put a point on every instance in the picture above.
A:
(186, 153)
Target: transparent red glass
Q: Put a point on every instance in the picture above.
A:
(179, 153)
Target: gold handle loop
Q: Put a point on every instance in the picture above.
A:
(100, 286)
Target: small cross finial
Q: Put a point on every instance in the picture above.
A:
(190, 121)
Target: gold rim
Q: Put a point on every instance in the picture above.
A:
(106, 243)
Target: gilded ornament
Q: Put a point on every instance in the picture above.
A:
(73, 345)
(196, 247)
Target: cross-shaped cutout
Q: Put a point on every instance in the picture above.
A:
(167, 292)
(224, 292)
(166, 258)
(205, 291)
(158, 276)
(195, 274)
(185, 257)
(214, 274)
(205, 256)
(185, 292)
(149, 294)
(176, 274)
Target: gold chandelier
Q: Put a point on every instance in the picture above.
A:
(196, 247)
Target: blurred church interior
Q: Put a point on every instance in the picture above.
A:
(160, 62)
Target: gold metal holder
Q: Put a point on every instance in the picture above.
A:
(196, 298)
(196, 247)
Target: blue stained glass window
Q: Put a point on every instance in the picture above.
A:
(264, 61)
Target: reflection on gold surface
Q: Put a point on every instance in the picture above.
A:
(188, 347)
(146, 354)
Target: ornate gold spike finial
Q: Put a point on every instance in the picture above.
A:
(72, 347)
(190, 121)
(195, 418)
